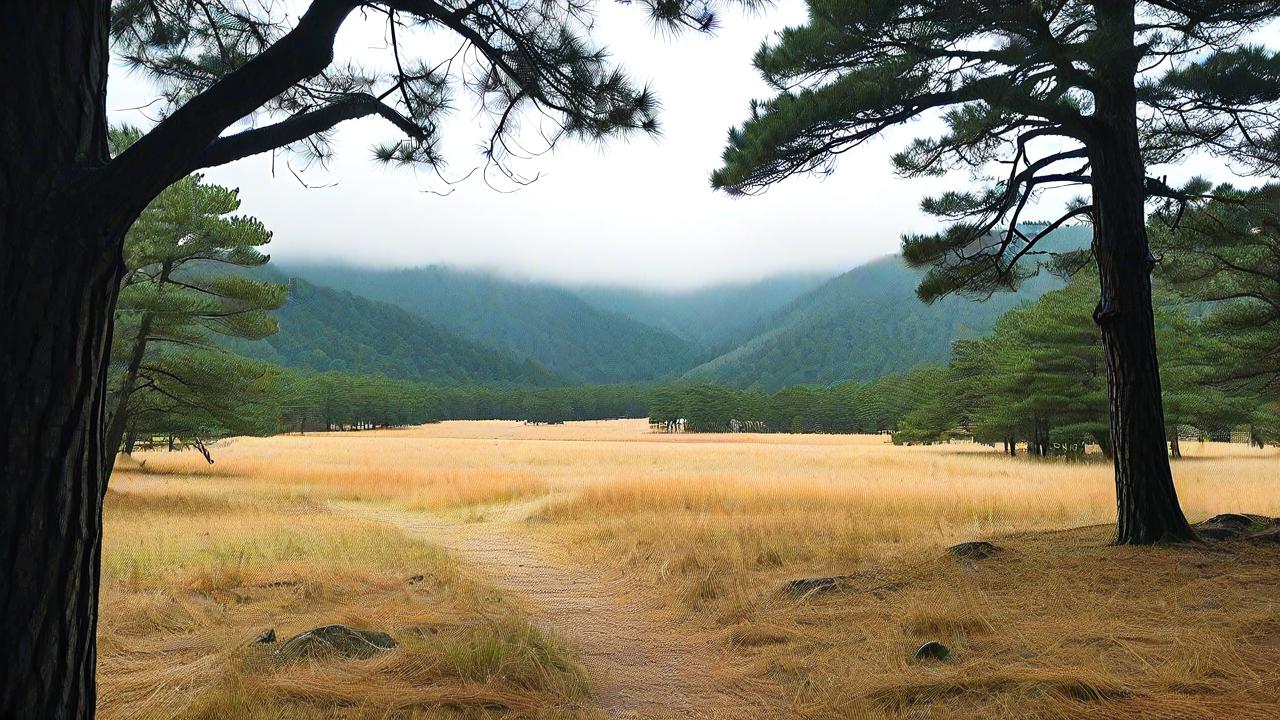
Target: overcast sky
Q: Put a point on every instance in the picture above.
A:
(637, 213)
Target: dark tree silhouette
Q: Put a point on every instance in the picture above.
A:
(65, 205)
(1040, 95)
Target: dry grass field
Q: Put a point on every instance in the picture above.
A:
(562, 566)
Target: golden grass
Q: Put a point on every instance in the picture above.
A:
(195, 568)
(1060, 625)
(355, 466)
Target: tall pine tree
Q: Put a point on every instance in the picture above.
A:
(1034, 95)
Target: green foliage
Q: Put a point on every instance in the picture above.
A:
(1226, 255)
(1029, 89)
(203, 393)
(850, 407)
(1040, 378)
(332, 401)
(168, 374)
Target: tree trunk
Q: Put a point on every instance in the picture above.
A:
(59, 302)
(1175, 447)
(1146, 502)
(119, 414)
(59, 273)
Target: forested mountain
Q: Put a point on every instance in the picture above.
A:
(322, 329)
(865, 324)
(712, 319)
(456, 325)
(552, 325)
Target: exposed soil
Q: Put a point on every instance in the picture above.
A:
(639, 664)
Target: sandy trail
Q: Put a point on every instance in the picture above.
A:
(639, 665)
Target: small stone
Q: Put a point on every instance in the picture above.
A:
(416, 580)
(267, 637)
(332, 640)
(807, 586)
(977, 550)
(932, 650)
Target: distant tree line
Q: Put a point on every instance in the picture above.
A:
(309, 402)
(850, 407)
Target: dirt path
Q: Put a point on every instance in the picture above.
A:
(640, 667)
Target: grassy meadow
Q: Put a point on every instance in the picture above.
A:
(705, 530)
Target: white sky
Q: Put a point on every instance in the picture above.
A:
(636, 213)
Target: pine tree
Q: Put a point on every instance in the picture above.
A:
(168, 375)
(1039, 376)
(1045, 95)
(1227, 254)
(1059, 390)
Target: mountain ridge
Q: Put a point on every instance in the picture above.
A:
(550, 324)
(867, 323)
(322, 330)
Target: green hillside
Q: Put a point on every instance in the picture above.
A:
(323, 329)
(865, 324)
(712, 319)
(552, 325)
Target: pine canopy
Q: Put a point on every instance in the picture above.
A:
(1018, 86)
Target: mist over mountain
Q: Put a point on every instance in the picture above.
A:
(463, 326)
(711, 319)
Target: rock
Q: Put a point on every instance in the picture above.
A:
(267, 637)
(1229, 526)
(932, 650)
(332, 640)
(1229, 520)
(808, 586)
(1218, 532)
(416, 580)
(977, 550)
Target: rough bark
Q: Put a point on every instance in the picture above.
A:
(59, 273)
(52, 383)
(1147, 504)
